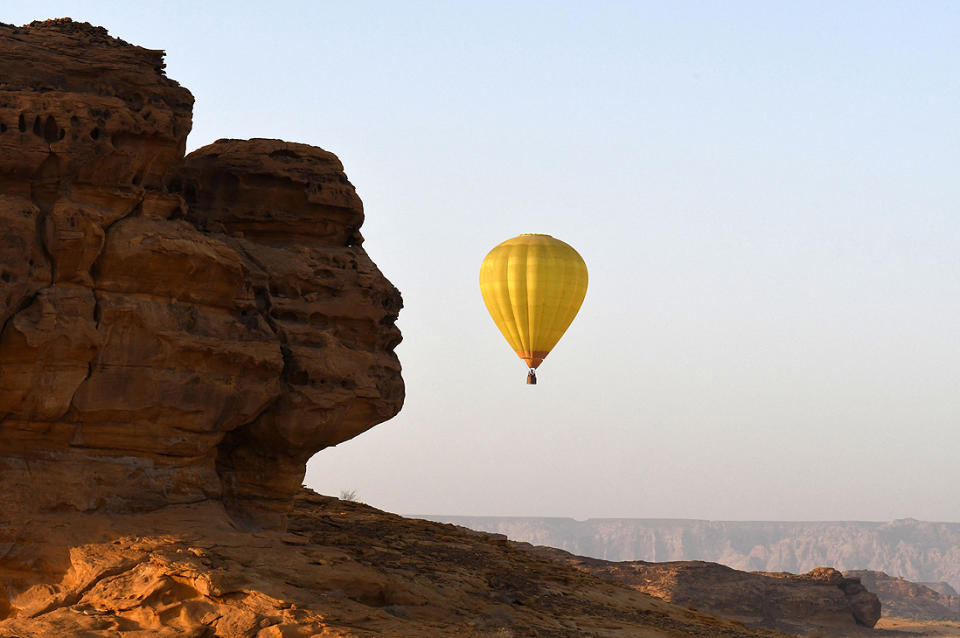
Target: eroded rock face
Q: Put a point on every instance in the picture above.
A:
(290, 212)
(171, 330)
(823, 601)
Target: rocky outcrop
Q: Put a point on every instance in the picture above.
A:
(290, 213)
(341, 569)
(916, 550)
(823, 600)
(904, 599)
(172, 330)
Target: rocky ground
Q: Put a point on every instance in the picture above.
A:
(341, 569)
(347, 569)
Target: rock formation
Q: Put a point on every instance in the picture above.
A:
(341, 569)
(916, 550)
(905, 599)
(173, 330)
(823, 600)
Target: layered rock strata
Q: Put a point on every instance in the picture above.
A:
(172, 330)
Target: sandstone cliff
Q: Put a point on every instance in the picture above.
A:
(171, 330)
(916, 550)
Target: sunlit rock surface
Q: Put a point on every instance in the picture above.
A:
(341, 569)
(171, 330)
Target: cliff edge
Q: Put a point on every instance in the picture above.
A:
(172, 330)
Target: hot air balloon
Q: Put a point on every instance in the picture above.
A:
(533, 286)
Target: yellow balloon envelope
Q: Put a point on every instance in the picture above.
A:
(533, 286)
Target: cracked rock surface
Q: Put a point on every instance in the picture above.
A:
(341, 569)
(172, 330)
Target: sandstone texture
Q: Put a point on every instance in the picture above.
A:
(919, 551)
(823, 600)
(341, 569)
(172, 330)
(904, 599)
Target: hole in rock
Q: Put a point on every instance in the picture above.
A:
(22, 124)
(95, 133)
(52, 132)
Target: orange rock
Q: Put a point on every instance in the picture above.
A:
(343, 569)
(171, 330)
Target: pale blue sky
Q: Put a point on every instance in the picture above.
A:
(766, 195)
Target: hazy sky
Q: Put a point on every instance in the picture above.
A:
(767, 195)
